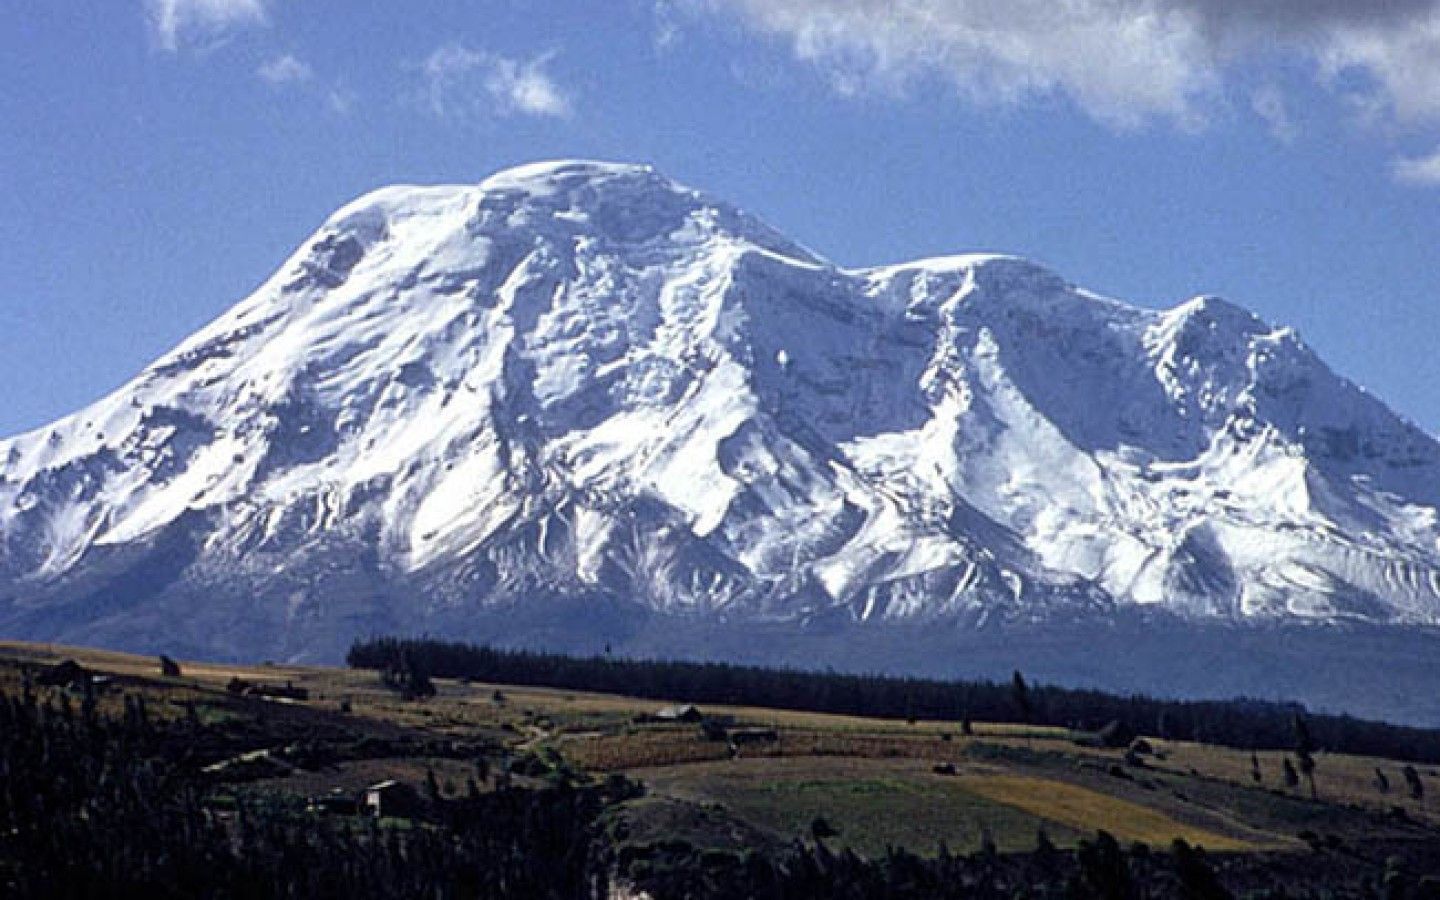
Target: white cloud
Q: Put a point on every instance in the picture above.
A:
(1125, 62)
(1148, 62)
(178, 22)
(1421, 171)
(286, 69)
(461, 82)
(1400, 61)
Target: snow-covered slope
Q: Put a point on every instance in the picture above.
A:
(580, 392)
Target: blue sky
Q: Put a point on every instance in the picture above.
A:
(159, 158)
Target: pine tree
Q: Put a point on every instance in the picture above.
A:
(1197, 879)
(821, 829)
(1292, 778)
(1020, 695)
(1413, 782)
(1304, 751)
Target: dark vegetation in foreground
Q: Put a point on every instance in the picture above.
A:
(117, 808)
(97, 807)
(1247, 724)
(104, 798)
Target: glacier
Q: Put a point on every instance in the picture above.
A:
(579, 404)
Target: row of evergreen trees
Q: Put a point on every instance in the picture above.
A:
(1238, 723)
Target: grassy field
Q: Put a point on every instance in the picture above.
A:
(1086, 809)
(874, 780)
(871, 803)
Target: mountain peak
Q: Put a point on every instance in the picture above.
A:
(614, 203)
(582, 381)
(1214, 312)
(553, 176)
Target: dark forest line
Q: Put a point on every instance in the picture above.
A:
(1241, 723)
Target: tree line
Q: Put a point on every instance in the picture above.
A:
(1241, 723)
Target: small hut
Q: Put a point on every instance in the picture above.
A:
(685, 712)
(391, 798)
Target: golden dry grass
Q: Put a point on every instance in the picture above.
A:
(147, 666)
(1087, 810)
(1338, 777)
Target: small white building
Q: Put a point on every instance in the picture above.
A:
(685, 712)
(391, 799)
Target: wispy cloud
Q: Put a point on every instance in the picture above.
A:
(340, 99)
(1420, 171)
(176, 23)
(289, 72)
(1268, 102)
(526, 87)
(285, 69)
(462, 82)
(667, 18)
(1125, 62)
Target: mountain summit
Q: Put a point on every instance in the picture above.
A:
(580, 403)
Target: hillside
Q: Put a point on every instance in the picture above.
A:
(691, 804)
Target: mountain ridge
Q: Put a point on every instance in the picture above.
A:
(584, 385)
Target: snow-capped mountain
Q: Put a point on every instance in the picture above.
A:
(580, 399)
